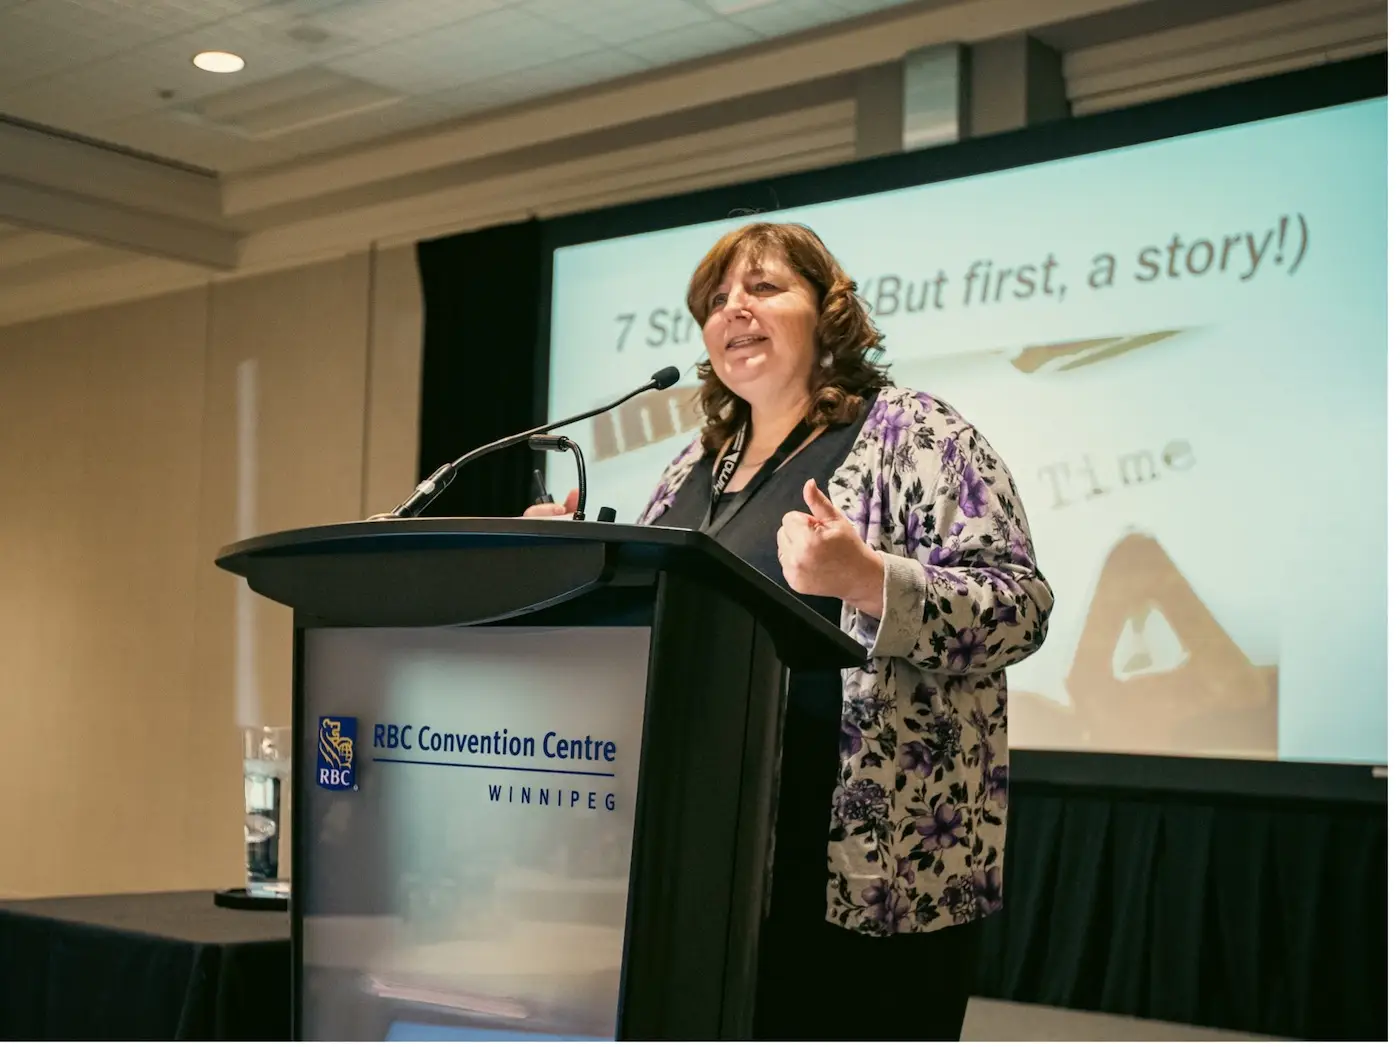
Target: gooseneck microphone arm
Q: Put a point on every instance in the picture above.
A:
(434, 485)
(563, 443)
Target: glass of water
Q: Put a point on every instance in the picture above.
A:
(267, 772)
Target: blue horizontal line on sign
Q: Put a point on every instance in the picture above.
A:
(494, 767)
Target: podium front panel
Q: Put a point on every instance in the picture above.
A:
(466, 845)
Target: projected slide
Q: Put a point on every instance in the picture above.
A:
(1180, 350)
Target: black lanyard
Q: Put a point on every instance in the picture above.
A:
(714, 519)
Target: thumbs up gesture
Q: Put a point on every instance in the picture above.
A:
(822, 555)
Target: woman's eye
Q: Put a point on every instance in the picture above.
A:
(764, 285)
(717, 301)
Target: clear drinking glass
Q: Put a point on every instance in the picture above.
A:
(267, 772)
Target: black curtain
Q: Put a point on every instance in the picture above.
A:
(482, 293)
(1255, 914)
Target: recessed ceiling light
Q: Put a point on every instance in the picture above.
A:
(218, 62)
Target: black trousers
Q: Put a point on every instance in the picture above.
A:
(817, 981)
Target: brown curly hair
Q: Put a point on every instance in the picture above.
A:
(844, 328)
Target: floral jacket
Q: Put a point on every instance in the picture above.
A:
(919, 808)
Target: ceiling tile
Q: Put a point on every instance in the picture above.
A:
(165, 134)
(553, 77)
(865, 7)
(789, 16)
(46, 36)
(466, 100)
(490, 45)
(66, 107)
(23, 64)
(337, 27)
(132, 82)
(617, 21)
(678, 45)
(374, 123)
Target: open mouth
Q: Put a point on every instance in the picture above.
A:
(743, 341)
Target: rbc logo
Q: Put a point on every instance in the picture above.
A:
(335, 753)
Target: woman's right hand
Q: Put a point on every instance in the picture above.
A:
(554, 508)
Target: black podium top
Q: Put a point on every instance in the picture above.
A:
(466, 571)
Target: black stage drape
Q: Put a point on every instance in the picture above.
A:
(1266, 915)
(1260, 913)
(143, 967)
(481, 295)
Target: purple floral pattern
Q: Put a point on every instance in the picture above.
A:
(919, 807)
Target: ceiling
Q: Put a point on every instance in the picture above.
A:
(326, 74)
(366, 124)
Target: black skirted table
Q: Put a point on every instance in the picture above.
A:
(143, 967)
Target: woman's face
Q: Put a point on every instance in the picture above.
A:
(761, 331)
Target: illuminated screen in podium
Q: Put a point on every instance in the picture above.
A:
(471, 881)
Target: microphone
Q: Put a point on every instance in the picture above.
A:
(434, 485)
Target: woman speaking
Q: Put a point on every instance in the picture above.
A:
(889, 514)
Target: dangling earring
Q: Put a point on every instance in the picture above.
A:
(825, 361)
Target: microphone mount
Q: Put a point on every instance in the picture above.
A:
(563, 443)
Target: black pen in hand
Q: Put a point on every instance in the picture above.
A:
(542, 495)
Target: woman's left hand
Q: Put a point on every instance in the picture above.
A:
(822, 555)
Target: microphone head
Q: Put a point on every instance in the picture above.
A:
(666, 377)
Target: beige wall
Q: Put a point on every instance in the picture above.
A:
(135, 441)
